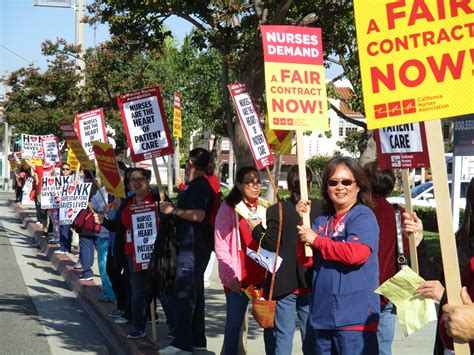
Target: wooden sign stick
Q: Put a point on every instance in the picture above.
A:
(409, 209)
(445, 221)
(303, 185)
(158, 179)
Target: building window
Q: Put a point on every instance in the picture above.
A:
(346, 127)
(447, 131)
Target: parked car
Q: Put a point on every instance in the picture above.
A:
(423, 195)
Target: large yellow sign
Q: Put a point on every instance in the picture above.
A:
(416, 59)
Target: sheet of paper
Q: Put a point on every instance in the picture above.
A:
(245, 212)
(414, 311)
(264, 258)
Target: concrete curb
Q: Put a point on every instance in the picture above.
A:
(88, 291)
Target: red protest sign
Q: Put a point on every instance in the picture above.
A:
(91, 127)
(145, 124)
(251, 125)
(402, 147)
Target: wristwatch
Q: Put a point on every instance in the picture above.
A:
(173, 212)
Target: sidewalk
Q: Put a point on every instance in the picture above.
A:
(418, 343)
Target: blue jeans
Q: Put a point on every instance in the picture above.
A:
(279, 340)
(139, 305)
(65, 237)
(86, 253)
(236, 310)
(102, 249)
(345, 342)
(386, 329)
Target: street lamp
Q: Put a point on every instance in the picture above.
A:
(79, 8)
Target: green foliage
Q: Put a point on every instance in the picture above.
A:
(428, 217)
(317, 164)
(351, 143)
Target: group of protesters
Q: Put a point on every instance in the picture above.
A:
(355, 238)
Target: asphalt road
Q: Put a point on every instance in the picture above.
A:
(38, 313)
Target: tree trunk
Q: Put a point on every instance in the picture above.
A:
(367, 147)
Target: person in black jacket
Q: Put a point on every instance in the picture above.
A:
(292, 281)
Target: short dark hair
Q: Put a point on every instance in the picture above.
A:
(365, 194)
(293, 180)
(200, 158)
(143, 172)
(235, 196)
(382, 181)
(89, 174)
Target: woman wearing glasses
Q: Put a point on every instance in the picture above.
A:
(344, 308)
(232, 237)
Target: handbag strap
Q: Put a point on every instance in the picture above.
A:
(272, 285)
(401, 259)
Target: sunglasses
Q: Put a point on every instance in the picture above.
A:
(252, 183)
(344, 182)
(66, 169)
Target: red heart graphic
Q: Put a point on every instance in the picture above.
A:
(57, 199)
(69, 212)
(111, 175)
(281, 135)
(34, 139)
(51, 181)
(70, 189)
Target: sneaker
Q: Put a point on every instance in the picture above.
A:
(121, 320)
(60, 252)
(199, 348)
(90, 278)
(53, 241)
(173, 350)
(103, 299)
(135, 334)
(116, 313)
(78, 265)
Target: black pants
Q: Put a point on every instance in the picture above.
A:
(118, 276)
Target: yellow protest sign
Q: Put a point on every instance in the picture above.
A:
(72, 160)
(177, 118)
(416, 59)
(36, 161)
(280, 142)
(294, 78)
(108, 169)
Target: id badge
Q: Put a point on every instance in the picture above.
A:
(129, 236)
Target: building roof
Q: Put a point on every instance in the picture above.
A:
(346, 93)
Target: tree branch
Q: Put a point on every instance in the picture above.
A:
(347, 118)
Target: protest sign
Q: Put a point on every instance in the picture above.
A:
(108, 169)
(415, 59)
(74, 198)
(75, 144)
(294, 78)
(51, 154)
(26, 192)
(464, 135)
(72, 160)
(177, 119)
(31, 146)
(251, 125)
(402, 146)
(145, 230)
(51, 190)
(280, 142)
(91, 127)
(145, 124)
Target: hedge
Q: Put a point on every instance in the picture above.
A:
(428, 217)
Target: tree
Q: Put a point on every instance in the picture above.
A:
(231, 28)
(350, 143)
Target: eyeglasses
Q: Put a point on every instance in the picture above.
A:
(253, 183)
(344, 182)
(139, 180)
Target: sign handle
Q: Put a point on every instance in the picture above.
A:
(153, 319)
(409, 209)
(445, 221)
(76, 175)
(303, 186)
(158, 179)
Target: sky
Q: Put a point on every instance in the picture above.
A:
(23, 27)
